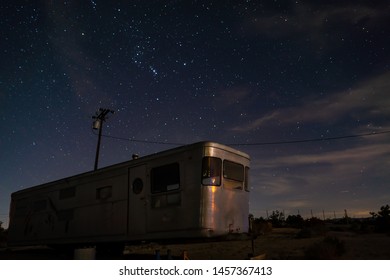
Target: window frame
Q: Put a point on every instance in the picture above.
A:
(157, 188)
(165, 195)
(233, 178)
(218, 169)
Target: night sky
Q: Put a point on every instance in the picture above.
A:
(257, 75)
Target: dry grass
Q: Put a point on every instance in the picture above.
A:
(280, 244)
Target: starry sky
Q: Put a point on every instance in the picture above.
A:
(266, 77)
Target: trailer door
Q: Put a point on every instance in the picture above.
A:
(137, 200)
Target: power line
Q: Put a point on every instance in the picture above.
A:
(312, 139)
(256, 143)
(142, 141)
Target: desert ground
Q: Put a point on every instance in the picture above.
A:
(279, 244)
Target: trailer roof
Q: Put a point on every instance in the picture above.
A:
(143, 159)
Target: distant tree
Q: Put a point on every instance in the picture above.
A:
(312, 227)
(277, 218)
(382, 219)
(261, 226)
(295, 221)
(314, 222)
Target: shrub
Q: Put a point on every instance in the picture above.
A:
(316, 225)
(330, 248)
(277, 218)
(382, 219)
(261, 227)
(295, 221)
(304, 233)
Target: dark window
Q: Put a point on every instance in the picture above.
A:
(67, 193)
(211, 171)
(233, 171)
(165, 178)
(104, 193)
(165, 186)
(246, 179)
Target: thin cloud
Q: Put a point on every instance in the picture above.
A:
(350, 177)
(338, 173)
(310, 19)
(368, 99)
(273, 185)
(368, 154)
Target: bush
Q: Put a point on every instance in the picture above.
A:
(261, 227)
(295, 221)
(382, 219)
(331, 248)
(304, 233)
(316, 225)
(277, 218)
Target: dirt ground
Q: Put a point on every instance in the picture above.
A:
(280, 244)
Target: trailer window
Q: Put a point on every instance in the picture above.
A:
(165, 186)
(211, 171)
(165, 178)
(233, 171)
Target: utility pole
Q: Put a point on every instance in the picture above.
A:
(99, 118)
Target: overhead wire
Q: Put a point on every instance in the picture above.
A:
(312, 139)
(141, 141)
(255, 143)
